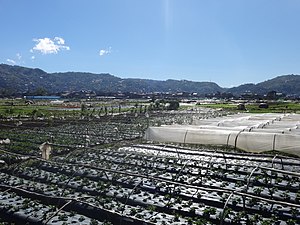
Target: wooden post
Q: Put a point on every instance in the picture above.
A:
(46, 150)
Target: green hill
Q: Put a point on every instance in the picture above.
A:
(16, 79)
(287, 84)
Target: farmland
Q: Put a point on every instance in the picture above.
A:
(101, 171)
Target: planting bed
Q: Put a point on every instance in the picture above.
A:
(66, 135)
(150, 184)
(97, 175)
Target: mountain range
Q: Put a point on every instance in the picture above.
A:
(17, 79)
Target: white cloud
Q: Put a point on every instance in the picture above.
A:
(103, 52)
(19, 56)
(33, 57)
(11, 61)
(59, 40)
(49, 46)
(17, 60)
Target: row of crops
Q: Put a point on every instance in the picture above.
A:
(151, 184)
(102, 172)
(70, 134)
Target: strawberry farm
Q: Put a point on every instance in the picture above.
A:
(103, 171)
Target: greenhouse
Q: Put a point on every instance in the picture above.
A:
(248, 132)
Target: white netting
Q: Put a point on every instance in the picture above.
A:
(253, 133)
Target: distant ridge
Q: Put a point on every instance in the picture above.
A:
(17, 79)
(21, 80)
(287, 84)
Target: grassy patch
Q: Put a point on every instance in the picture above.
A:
(274, 107)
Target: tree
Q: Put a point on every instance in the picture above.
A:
(40, 91)
(172, 105)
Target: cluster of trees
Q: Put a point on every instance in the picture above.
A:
(163, 104)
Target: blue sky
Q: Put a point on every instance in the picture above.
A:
(228, 42)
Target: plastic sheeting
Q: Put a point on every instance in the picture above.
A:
(252, 133)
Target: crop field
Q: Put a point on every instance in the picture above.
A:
(103, 172)
(273, 107)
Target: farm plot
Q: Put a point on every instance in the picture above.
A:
(67, 135)
(151, 184)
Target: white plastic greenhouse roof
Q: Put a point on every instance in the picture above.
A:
(249, 132)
